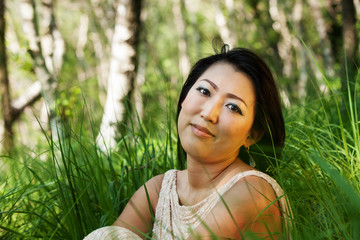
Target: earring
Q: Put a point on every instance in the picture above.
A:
(252, 162)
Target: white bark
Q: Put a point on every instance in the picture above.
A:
(301, 52)
(357, 8)
(31, 94)
(120, 79)
(44, 75)
(104, 15)
(184, 62)
(52, 43)
(140, 80)
(195, 37)
(280, 26)
(226, 34)
(324, 40)
(80, 45)
(102, 68)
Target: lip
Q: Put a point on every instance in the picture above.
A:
(201, 131)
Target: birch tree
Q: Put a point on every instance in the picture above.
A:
(284, 46)
(47, 52)
(350, 44)
(184, 62)
(320, 24)
(11, 109)
(226, 33)
(122, 70)
(4, 84)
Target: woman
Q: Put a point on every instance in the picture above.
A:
(228, 104)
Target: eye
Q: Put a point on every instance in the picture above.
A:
(234, 108)
(203, 91)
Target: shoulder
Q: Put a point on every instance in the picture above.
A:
(252, 203)
(137, 214)
(154, 183)
(249, 205)
(252, 197)
(153, 186)
(151, 189)
(255, 189)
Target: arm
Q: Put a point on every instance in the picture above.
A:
(137, 214)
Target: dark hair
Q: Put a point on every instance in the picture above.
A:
(268, 114)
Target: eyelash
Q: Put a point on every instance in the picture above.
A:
(236, 108)
(233, 107)
(202, 90)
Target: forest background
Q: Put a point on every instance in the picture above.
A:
(88, 98)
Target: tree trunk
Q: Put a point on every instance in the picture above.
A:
(5, 86)
(180, 23)
(226, 34)
(52, 43)
(357, 8)
(300, 52)
(45, 66)
(284, 46)
(350, 44)
(11, 109)
(193, 22)
(326, 50)
(102, 17)
(122, 71)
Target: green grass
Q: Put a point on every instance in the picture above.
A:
(71, 188)
(66, 189)
(320, 169)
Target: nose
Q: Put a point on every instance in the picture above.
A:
(211, 111)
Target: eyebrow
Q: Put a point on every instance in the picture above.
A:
(229, 95)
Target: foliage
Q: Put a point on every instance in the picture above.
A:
(65, 189)
(320, 170)
(71, 188)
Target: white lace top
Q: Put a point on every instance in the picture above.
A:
(174, 221)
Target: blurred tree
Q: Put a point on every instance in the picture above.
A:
(4, 85)
(301, 59)
(122, 71)
(101, 17)
(280, 25)
(47, 51)
(180, 23)
(226, 33)
(350, 44)
(175, 33)
(190, 11)
(326, 51)
(11, 108)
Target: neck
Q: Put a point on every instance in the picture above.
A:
(202, 175)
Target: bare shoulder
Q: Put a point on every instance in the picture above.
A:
(257, 195)
(137, 215)
(152, 189)
(254, 185)
(248, 206)
(252, 200)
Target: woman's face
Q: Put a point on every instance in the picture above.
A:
(217, 114)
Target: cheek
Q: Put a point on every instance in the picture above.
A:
(237, 132)
(190, 105)
(181, 120)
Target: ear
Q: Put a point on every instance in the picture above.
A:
(254, 137)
